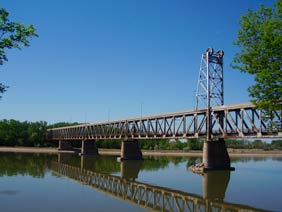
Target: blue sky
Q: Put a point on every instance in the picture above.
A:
(107, 59)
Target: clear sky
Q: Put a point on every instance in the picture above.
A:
(96, 60)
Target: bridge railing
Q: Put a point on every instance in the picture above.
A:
(240, 121)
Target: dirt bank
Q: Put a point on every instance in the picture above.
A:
(232, 152)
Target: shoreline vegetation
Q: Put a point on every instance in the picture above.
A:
(174, 153)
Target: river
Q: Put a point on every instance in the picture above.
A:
(68, 182)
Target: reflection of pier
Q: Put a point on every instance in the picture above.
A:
(154, 197)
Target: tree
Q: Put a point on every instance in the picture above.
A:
(276, 144)
(260, 42)
(12, 36)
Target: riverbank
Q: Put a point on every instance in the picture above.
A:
(174, 153)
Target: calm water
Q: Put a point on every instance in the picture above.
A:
(65, 182)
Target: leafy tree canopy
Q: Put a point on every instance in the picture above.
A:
(260, 42)
(12, 36)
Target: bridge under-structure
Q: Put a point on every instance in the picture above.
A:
(156, 198)
(227, 121)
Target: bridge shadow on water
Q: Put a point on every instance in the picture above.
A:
(125, 187)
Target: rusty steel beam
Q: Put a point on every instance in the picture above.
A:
(227, 121)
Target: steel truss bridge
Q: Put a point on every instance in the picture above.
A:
(150, 197)
(227, 121)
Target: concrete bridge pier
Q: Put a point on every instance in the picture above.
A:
(215, 156)
(130, 150)
(89, 147)
(65, 146)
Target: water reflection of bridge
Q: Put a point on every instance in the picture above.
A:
(154, 197)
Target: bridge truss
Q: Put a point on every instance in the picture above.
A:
(227, 121)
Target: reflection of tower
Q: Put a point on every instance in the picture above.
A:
(215, 185)
(130, 169)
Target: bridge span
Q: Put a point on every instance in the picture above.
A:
(227, 121)
(215, 121)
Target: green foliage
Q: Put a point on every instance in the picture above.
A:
(195, 144)
(166, 144)
(108, 144)
(155, 144)
(16, 133)
(246, 144)
(152, 144)
(260, 40)
(62, 124)
(238, 144)
(277, 144)
(13, 36)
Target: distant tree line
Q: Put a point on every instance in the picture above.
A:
(28, 134)
(33, 134)
(255, 144)
(193, 144)
(156, 144)
(16, 133)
